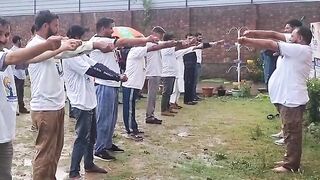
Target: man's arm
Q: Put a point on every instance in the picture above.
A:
(124, 42)
(68, 45)
(261, 34)
(21, 55)
(259, 43)
(163, 45)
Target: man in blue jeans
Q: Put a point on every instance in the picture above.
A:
(78, 75)
(106, 90)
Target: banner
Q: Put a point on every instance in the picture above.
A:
(315, 44)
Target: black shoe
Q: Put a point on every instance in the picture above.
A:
(24, 111)
(104, 156)
(153, 121)
(115, 148)
(197, 99)
(191, 103)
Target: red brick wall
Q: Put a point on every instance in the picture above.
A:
(213, 22)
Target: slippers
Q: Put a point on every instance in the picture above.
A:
(271, 116)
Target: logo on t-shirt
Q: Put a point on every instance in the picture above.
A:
(59, 68)
(9, 90)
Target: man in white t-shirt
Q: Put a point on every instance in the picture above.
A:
(287, 86)
(106, 90)
(48, 97)
(8, 95)
(19, 76)
(79, 74)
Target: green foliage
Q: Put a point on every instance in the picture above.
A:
(313, 113)
(245, 89)
(256, 70)
(147, 4)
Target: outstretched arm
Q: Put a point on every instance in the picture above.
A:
(261, 34)
(259, 43)
(23, 54)
(102, 72)
(135, 41)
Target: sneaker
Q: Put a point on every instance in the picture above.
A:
(153, 121)
(104, 156)
(76, 177)
(280, 169)
(96, 169)
(278, 135)
(172, 111)
(167, 113)
(191, 103)
(134, 137)
(115, 148)
(198, 98)
(279, 142)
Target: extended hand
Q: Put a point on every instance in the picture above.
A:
(54, 42)
(249, 33)
(123, 78)
(153, 39)
(241, 40)
(70, 44)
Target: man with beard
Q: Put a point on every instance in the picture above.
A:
(8, 98)
(287, 85)
(48, 97)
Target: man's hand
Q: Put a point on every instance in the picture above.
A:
(54, 42)
(217, 43)
(70, 44)
(152, 38)
(249, 33)
(123, 78)
(241, 40)
(103, 46)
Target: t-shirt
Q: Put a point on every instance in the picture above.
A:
(154, 64)
(80, 87)
(135, 68)
(199, 55)
(169, 62)
(287, 36)
(179, 55)
(108, 59)
(47, 86)
(8, 102)
(287, 84)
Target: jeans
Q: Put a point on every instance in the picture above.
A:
(269, 64)
(168, 83)
(107, 114)
(190, 61)
(129, 109)
(86, 132)
(6, 155)
(20, 92)
(197, 74)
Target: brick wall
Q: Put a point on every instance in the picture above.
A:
(213, 22)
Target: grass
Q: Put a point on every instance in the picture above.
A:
(227, 138)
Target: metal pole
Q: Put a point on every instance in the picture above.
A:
(79, 6)
(34, 6)
(186, 3)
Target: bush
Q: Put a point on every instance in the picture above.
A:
(313, 113)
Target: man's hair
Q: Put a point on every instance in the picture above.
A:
(305, 33)
(168, 36)
(76, 31)
(294, 23)
(44, 17)
(189, 34)
(159, 30)
(15, 39)
(103, 22)
(197, 34)
(33, 29)
(4, 22)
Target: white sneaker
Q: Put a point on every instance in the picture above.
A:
(278, 135)
(279, 142)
